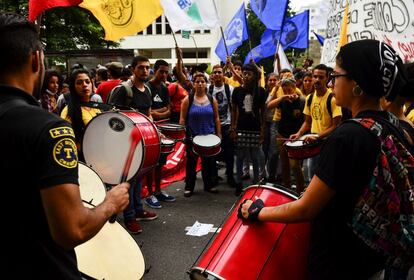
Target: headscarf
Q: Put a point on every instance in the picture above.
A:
(375, 66)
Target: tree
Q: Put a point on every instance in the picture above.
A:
(64, 28)
(256, 29)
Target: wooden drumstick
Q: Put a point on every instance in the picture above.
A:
(135, 137)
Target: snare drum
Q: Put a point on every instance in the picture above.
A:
(252, 250)
(167, 145)
(172, 130)
(106, 144)
(206, 145)
(297, 149)
(92, 189)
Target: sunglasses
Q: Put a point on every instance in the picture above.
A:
(333, 76)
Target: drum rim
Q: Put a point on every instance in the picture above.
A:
(275, 187)
(171, 126)
(86, 165)
(208, 147)
(200, 269)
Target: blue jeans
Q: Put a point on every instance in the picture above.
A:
(272, 153)
(135, 204)
(255, 154)
(313, 163)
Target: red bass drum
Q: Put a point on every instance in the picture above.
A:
(252, 250)
(106, 143)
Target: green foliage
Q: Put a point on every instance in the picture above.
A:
(68, 28)
(256, 29)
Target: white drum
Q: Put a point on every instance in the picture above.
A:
(106, 144)
(92, 189)
(207, 145)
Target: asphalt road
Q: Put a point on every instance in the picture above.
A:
(167, 250)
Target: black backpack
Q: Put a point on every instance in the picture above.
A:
(328, 102)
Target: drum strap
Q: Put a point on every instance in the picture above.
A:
(8, 105)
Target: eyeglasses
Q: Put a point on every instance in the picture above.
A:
(333, 76)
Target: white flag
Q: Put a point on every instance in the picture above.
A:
(284, 62)
(190, 14)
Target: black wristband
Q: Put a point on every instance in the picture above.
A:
(255, 209)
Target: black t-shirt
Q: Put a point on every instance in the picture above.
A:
(159, 95)
(346, 163)
(291, 116)
(38, 152)
(250, 111)
(141, 100)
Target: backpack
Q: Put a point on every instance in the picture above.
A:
(226, 90)
(328, 102)
(129, 93)
(383, 217)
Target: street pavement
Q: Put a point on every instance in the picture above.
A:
(168, 251)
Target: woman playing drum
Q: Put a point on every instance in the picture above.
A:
(365, 70)
(201, 118)
(80, 86)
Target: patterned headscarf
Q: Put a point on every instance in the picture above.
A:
(375, 66)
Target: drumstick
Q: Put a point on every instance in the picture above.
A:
(134, 138)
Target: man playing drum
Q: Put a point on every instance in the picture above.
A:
(140, 100)
(160, 110)
(319, 120)
(48, 218)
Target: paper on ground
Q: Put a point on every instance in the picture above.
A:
(199, 229)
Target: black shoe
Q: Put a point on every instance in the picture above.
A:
(188, 193)
(246, 176)
(212, 190)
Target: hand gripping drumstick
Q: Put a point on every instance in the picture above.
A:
(134, 138)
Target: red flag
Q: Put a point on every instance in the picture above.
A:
(36, 7)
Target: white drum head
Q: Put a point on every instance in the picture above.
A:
(209, 140)
(299, 141)
(92, 189)
(167, 141)
(106, 144)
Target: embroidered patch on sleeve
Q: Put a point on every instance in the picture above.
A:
(65, 153)
(61, 132)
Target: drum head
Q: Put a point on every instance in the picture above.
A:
(167, 141)
(298, 142)
(171, 126)
(106, 144)
(92, 189)
(209, 140)
(111, 254)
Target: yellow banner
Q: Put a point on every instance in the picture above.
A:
(121, 18)
(343, 37)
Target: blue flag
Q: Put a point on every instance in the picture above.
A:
(235, 34)
(295, 35)
(270, 12)
(320, 38)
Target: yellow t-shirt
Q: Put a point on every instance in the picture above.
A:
(410, 116)
(278, 114)
(232, 82)
(87, 114)
(321, 120)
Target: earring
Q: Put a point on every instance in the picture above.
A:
(357, 91)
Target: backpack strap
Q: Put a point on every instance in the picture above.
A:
(227, 90)
(328, 102)
(210, 89)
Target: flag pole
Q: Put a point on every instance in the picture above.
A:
(175, 39)
(280, 37)
(221, 29)
(248, 30)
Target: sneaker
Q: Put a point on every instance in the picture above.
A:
(146, 216)
(133, 226)
(163, 196)
(152, 202)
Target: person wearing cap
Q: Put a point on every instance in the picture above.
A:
(114, 78)
(365, 71)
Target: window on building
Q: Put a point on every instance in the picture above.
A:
(202, 53)
(197, 31)
(149, 30)
(207, 31)
(167, 27)
(158, 26)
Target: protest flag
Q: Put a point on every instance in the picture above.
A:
(36, 7)
(270, 12)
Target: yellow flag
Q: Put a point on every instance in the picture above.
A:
(262, 78)
(343, 37)
(121, 18)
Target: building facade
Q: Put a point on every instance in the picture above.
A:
(157, 41)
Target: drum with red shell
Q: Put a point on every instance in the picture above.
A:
(167, 146)
(298, 149)
(106, 143)
(172, 130)
(257, 250)
(207, 145)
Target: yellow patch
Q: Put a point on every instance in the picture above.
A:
(65, 153)
(61, 132)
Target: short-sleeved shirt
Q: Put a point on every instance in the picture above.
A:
(105, 88)
(141, 100)
(39, 152)
(318, 111)
(159, 95)
(177, 93)
(291, 116)
(220, 95)
(277, 115)
(346, 163)
(232, 82)
(249, 111)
